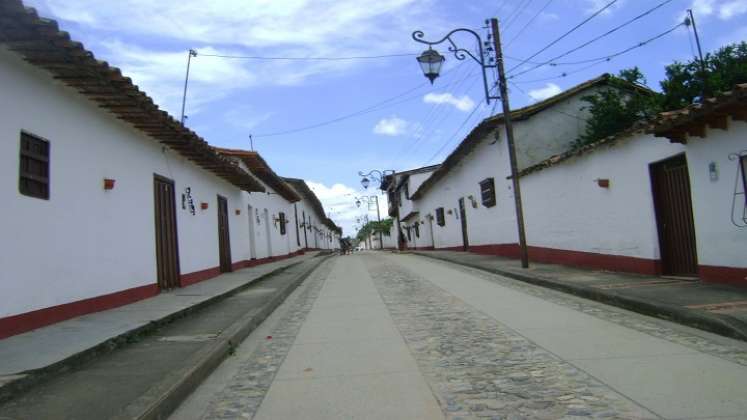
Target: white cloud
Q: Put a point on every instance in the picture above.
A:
(550, 89)
(339, 204)
(149, 39)
(724, 10)
(395, 126)
(465, 103)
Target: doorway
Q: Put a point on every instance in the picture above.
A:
(463, 217)
(670, 182)
(224, 237)
(167, 249)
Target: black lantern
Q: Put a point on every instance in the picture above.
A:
(430, 62)
(365, 182)
(358, 203)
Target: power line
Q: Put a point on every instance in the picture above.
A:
(386, 103)
(600, 60)
(359, 57)
(526, 25)
(584, 22)
(432, 129)
(440, 149)
(433, 117)
(597, 38)
(516, 13)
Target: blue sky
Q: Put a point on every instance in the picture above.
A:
(229, 99)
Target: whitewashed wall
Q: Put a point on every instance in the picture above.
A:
(565, 208)
(84, 241)
(547, 133)
(720, 243)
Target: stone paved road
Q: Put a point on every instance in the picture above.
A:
(385, 336)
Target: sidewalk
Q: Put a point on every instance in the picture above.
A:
(717, 308)
(73, 341)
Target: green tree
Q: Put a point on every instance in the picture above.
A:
(723, 69)
(619, 106)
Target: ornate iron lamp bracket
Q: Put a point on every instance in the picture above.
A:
(461, 54)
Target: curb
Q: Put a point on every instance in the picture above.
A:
(722, 325)
(33, 377)
(163, 398)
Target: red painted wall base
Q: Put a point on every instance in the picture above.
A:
(728, 275)
(28, 321)
(21, 323)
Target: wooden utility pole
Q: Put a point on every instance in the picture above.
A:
(510, 141)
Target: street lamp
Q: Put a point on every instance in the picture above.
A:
(375, 175)
(430, 63)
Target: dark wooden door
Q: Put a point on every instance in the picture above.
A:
(224, 238)
(167, 250)
(674, 217)
(463, 219)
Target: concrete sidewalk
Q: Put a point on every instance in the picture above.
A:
(74, 341)
(717, 308)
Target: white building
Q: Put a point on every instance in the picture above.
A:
(635, 202)
(109, 200)
(597, 211)
(467, 202)
(316, 230)
(407, 227)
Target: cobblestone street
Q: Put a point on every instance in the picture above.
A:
(386, 336)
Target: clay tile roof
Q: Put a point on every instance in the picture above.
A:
(487, 125)
(259, 167)
(41, 43)
(676, 125)
(303, 189)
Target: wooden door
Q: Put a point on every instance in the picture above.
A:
(463, 219)
(167, 249)
(674, 217)
(224, 237)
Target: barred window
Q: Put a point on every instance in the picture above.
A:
(281, 216)
(33, 179)
(487, 192)
(440, 219)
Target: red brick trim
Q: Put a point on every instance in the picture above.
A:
(207, 274)
(198, 276)
(729, 275)
(17, 324)
(571, 258)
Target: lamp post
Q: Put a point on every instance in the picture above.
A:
(430, 63)
(372, 199)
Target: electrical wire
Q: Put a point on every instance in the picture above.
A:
(526, 25)
(432, 119)
(386, 103)
(516, 13)
(360, 57)
(599, 60)
(597, 38)
(444, 117)
(582, 23)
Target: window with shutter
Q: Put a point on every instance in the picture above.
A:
(33, 179)
(417, 230)
(440, 219)
(281, 216)
(487, 192)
